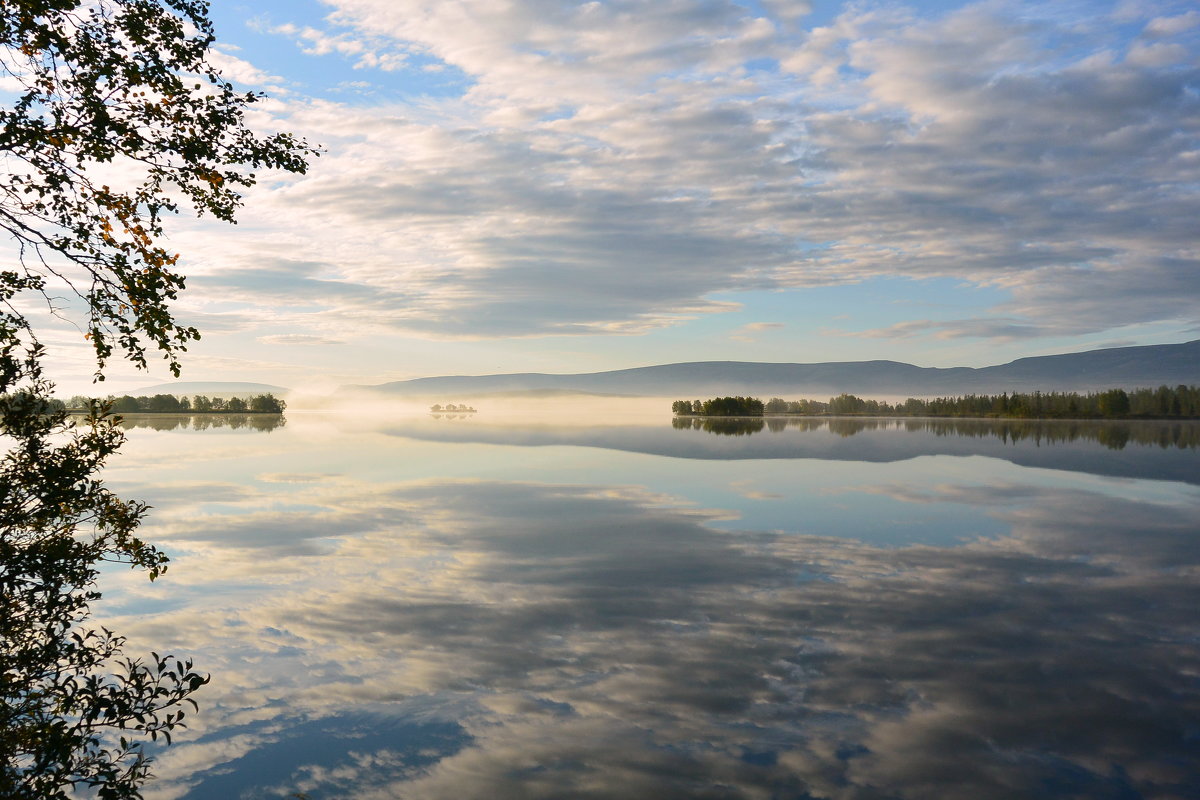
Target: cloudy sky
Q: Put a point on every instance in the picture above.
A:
(560, 186)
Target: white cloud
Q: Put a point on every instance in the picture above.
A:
(1169, 26)
(239, 70)
(365, 53)
(298, 339)
(613, 166)
(746, 333)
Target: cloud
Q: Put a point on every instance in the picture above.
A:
(239, 70)
(990, 328)
(746, 332)
(613, 166)
(366, 54)
(1170, 26)
(298, 339)
(295, 477)
(747, 490)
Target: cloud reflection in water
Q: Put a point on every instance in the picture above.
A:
(463, 639)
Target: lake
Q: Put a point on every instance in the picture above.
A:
(421, 607)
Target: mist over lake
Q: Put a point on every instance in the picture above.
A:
(412, 606)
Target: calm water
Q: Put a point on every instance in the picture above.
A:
(447, 608)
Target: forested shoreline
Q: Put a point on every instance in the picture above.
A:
(170, 404)
(1164, 402)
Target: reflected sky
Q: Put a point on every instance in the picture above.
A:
(390, 615)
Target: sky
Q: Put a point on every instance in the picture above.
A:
(553, 186)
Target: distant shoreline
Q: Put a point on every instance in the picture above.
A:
(83, 412)
(983, 417)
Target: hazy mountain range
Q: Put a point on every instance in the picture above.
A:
(1128, 367)
(223, 389)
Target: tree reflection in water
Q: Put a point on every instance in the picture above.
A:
(1112, 434)
(202, 422)
(723, 426)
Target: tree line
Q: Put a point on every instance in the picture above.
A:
(170, 404)
(1164, 402)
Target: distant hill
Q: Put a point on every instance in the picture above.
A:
(1129, 367)
(224, 389)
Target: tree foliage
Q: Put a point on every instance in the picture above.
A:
(720, 407)
(119, 121)
(266, 404)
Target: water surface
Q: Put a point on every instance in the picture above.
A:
(452, 608)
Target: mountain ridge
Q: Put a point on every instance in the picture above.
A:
(1128, 367)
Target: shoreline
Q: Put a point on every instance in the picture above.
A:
(982, 418)
(76, 412)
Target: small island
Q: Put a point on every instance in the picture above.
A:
(720, 407)
(451, 408)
